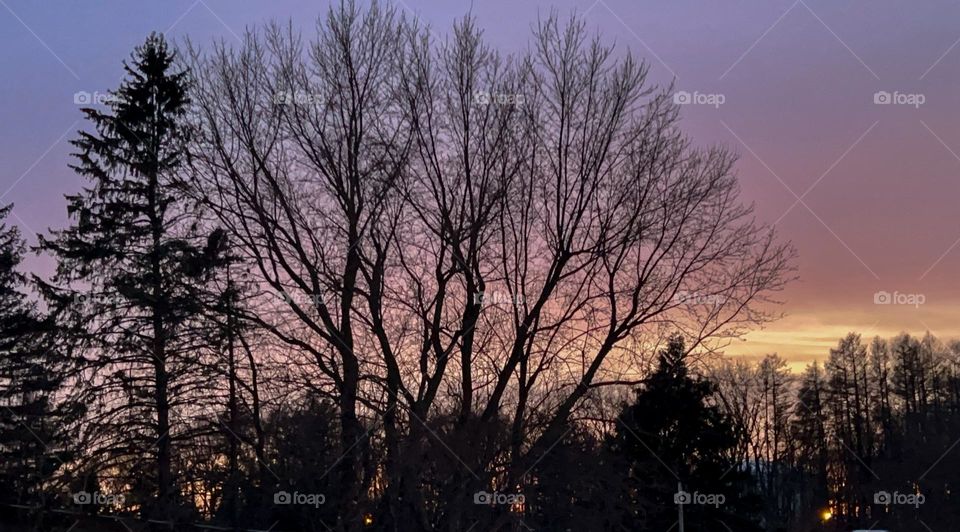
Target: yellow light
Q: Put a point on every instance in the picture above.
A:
(826, 515)
(367, 519)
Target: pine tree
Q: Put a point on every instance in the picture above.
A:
(33, 421)
(672, 434)
(131, 266)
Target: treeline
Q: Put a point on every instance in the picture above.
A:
(864, 440)
(369, 278)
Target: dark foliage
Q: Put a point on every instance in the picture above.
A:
(675, 440)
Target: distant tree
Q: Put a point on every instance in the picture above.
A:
(880, 372)
(239, 413)
(303, 456)
(908, 377)
(34, 417)
(777, 397)
(739, 394)
(672, 436)
(808, 430)
(849, 412)
(129, 269)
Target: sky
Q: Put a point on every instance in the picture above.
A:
(845, 114)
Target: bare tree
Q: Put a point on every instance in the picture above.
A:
(299, 146)
(460, 240)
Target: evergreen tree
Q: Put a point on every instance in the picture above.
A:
(672, 435)
(131, 268)
(569, 489)
(33, 420)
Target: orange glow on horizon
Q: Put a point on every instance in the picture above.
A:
(805, 337)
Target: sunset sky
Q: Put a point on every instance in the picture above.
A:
(866, 192)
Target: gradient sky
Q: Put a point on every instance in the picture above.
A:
(867, 193)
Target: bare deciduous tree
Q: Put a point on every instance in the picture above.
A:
(463, 239)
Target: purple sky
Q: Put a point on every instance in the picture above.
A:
(878, 183)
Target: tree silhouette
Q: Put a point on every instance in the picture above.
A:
(395, 272)
(35, 418)
(445, 229)
(127, 270)
(672, 435)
